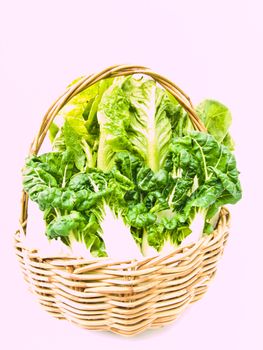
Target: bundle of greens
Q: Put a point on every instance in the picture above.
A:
(128, 175)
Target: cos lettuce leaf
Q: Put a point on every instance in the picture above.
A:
(79, 133)
(135, 115)
(217, 119)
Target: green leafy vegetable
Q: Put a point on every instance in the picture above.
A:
(217, 119)
(135, 115)
(129, 175)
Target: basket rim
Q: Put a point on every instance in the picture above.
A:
(182, 250)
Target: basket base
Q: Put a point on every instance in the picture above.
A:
(124, 297)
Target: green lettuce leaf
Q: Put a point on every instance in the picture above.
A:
(79, 134)
(217, 119)
(135, 115)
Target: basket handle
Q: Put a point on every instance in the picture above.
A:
(87, 81)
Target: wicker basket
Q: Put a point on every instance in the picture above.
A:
(125, 297)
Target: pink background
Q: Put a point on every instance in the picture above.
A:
(209, 48)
